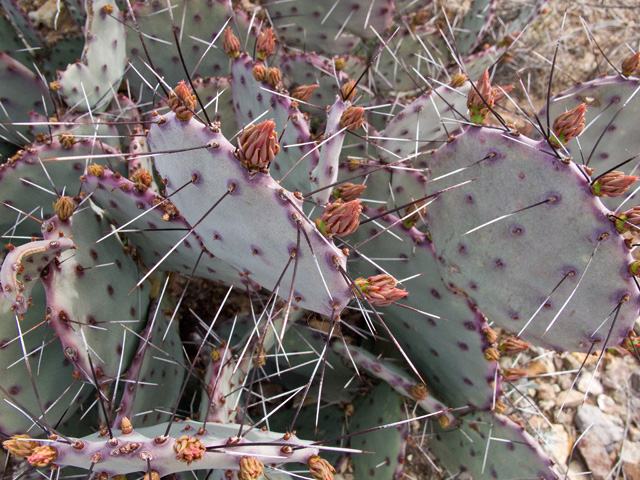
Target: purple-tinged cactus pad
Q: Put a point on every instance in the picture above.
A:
(17, 104)
(158, 230)
(529, 243)
(610, 135)
(385, 447)
(51, 371)
(22, 267)
(90, 297)
(333, 28)
(95, 78)
(148, 447)
(487, 445)
(441, 331)
(256, 225)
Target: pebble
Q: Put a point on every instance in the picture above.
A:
(585, 383)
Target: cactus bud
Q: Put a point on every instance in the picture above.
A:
(260, 73)
(348, 191)
(631, 64)
(568, 126)
(413, 213)
(274, 77)
(514, 374)
(142, 180)
(95, 170)
(43, 456)
(55, 85)
(320, 469)
(458, 80)
(67, 140)
(304, 92)
(231, 44)
(182, 101)
(64, 208)
(491, 355)
(380, 290)
(500, 407)
(339, 63)
(266, 44)
(500, 93)
(20, 446)
(250, 468)
(258, 146)
(513, 346)
(490, 334)
(125, 426)
(444, 421)
(352, 118)
(634, 269)
(348, 91)
(628, 221)
(481, 99)
(188, 449)
(612, 184)
(419, 392)
(340, 219)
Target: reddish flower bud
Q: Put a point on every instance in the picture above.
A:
(514, 374)
(568, 126)
(142, 180)
(274, 77)
(340, 219)
(348, 191)
(320, 469)
(612, 184)
(20, 446)
(348, 91)
(250, 468)
(266, 44)
(260, 73)
(304, 92)
(380, 289)
(481, 99)
(490, 334)
(231, 44)
(43, 456)
(629, 221)
(258, 146)
(500, 93)
(513, 346)
(631, 64)
(352, 118)
(188, 449)
(182, 101)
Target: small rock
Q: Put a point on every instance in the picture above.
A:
(558, 444)
(635, 381)
(595, 456)
(570, 398)
(606, 430)
(585, 383)
(631, 453)
(607, 404)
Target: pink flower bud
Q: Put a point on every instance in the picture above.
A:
(613, 184)
(629, 221)
(250, 468)
(304, 92)
(631, 64)
(266, 44)
(182, 102)
(188, 449)
(20, 446)
(231, 44)
(352, 118)
(43, 456)
(481, 99)
(380, 289)
(340, 219)
(348, 91)
(142, 180)
(500, 93)
(513, 346)
(320, 469)
(568, 126)
(514, 374)
(349, 191)
(258, 146)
